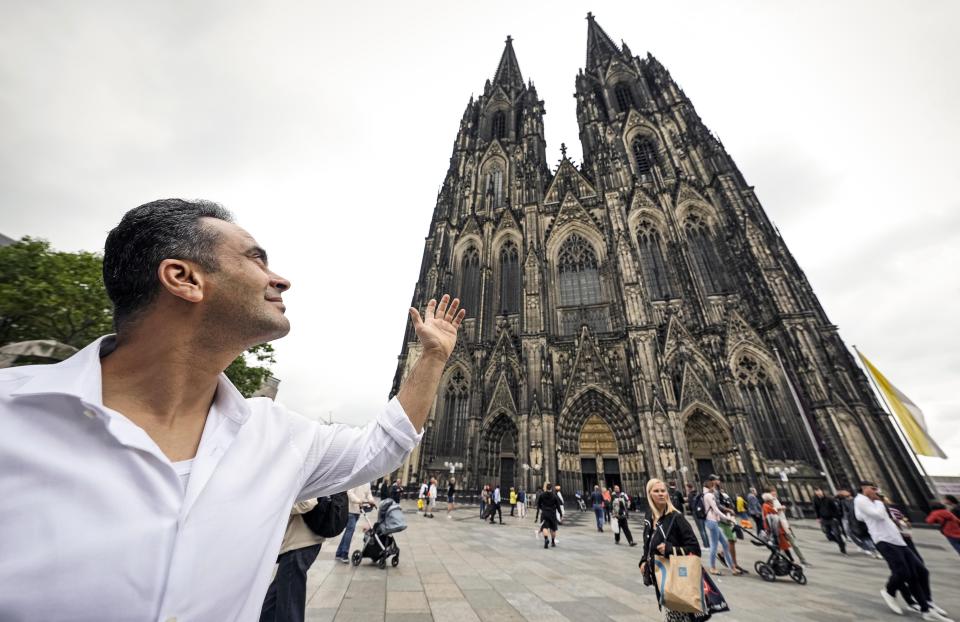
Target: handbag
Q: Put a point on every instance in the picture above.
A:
(680, 579)
(615, 525)
(715, 601)
(329, 517)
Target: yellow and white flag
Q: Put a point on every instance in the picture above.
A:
(910, 416)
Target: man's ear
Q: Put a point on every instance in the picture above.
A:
(182, 279)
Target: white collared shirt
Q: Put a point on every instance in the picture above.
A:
(879, 524)
(95, 521)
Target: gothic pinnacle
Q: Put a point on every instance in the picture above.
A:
(508, 70)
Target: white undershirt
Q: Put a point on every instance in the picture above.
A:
(183, 471)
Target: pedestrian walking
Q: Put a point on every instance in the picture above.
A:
(665, 532)
(513, 501)
(947, 521)
(549, 509)
(619, 504)
(785, 526)
(286, 598)
(495, 500)
(596, 498)
(451, 491)
(396, 491)
(607, 498)
(676, 497)
(907, 571)
(856, 529)
(484, 500)
(829, 513)
(714, 516)
(357, 497)
(754, 510)
(699, 513)
(522, 503)
(422, 498)
(432, 496)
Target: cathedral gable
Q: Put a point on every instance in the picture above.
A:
(738, 332)
(588, 370)
(572, 211)
(501, 400)
(495, 149)
(568, 179)
(692, 390)
(643, 200)
(507, 221)
(470, 226)
(685, 192)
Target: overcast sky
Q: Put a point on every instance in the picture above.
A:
(327, 129)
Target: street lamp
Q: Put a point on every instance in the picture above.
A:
(453, 466)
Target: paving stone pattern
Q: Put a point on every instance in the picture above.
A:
(466, 570)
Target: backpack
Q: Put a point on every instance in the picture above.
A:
(698, 509)
(858, 528)
(329, 517)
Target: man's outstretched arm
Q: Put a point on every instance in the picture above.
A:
(437, 332)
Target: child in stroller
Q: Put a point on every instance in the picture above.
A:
(378, 540)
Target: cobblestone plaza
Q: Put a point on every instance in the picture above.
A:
(463, 570)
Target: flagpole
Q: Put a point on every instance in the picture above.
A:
(806, 424)
(903, 435)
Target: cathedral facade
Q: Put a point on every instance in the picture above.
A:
(633, 316)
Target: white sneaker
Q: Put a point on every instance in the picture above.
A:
(936, 617)
(891, 602)
(937, 608)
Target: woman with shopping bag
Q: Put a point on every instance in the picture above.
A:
(671, 561)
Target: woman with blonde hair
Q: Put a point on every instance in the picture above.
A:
(665, 532)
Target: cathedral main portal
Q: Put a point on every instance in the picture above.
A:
(599, 458)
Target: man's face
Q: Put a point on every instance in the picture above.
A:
(243, 298)
(616, 489)
(871, 492)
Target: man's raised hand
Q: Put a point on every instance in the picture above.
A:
(437, 330)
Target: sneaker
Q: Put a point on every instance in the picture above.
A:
(633, 544)
(891, 602)
(936, 617)
(937, 608)
(343, 560)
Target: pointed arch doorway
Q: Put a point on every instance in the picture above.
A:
(599, 458)
(710, 445)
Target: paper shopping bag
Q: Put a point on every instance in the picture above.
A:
(680, 583)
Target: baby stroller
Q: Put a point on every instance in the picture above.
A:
(778, 564)
(378, 541)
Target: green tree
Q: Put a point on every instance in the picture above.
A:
(48, 294)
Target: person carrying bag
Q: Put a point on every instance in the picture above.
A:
(671, 561)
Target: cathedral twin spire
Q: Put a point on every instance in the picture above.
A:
(600, 48)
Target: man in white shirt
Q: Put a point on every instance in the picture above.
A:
(178, 488)
(907, 572)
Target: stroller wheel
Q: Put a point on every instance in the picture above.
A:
(796, 573)
(382, 562)
(356, 558)
(765, 571)
(395, 560)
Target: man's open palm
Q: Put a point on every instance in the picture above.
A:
(437, 330)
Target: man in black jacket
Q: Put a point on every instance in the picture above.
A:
(676, 497)
(829, 513)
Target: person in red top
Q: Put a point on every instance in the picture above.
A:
(948, 522)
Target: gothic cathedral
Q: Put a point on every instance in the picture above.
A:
(633, 316)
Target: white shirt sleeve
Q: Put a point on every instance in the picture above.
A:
(340, 457)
